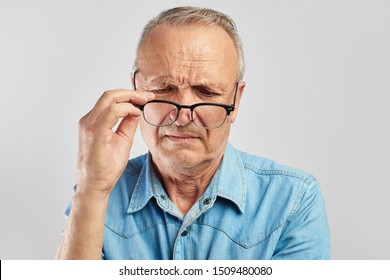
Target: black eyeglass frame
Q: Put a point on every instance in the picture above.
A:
(228, 108)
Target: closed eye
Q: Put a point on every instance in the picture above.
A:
(207, 92)
(163, 90)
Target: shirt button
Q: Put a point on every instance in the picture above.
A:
(184, 233)
(206, 201)
(163, 197)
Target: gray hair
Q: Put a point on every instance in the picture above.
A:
(181, 16)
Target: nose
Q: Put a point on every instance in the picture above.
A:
(184, 117)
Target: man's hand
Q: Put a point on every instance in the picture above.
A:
(103, 153)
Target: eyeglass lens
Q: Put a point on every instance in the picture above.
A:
(165, 114)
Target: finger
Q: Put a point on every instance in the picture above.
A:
(127, 128)
(109, 118)
(119, 96)
(136, 97)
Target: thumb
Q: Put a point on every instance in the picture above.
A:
(127, 128)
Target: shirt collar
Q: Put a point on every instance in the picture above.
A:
(144, 190)
(228, 182)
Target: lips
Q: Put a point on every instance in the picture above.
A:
(181, 137)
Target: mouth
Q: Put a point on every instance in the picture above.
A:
(181, 137)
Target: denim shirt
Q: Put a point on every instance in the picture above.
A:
(253, 208)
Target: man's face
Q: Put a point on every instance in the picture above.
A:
(188, 65)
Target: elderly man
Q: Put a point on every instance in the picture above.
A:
(193, 196)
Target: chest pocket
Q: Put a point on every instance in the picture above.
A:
(129, 225)
(247, 229)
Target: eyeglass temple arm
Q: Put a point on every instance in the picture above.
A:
(235, 94)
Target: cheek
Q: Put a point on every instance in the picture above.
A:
(149, 134)
(217, 138)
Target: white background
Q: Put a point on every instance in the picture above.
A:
(317, 98)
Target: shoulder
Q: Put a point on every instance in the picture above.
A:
(276, 196)
(264, 167)
(284, 186)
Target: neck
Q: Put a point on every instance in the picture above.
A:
(185, 186)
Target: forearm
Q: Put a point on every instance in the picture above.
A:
(102, 158)
(84, 231)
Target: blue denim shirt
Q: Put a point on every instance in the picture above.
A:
(253, 208)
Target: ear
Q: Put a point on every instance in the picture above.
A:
(132, 80)
(240, 91)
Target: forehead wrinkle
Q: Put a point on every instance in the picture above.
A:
(193, 71)
(188, 72)
(187, 66)
(169, 80)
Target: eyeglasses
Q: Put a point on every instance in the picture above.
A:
(205, 115)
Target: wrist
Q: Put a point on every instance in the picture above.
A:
(100, 190)
(91, 196)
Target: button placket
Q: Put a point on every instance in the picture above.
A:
(207, 201)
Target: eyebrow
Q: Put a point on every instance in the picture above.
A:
(165, 80)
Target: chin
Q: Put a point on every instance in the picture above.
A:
(181, 158)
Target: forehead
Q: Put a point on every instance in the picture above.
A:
(188, 53)
(151, 81)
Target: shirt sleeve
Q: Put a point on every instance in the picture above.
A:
(306, 235)
(67, 210)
